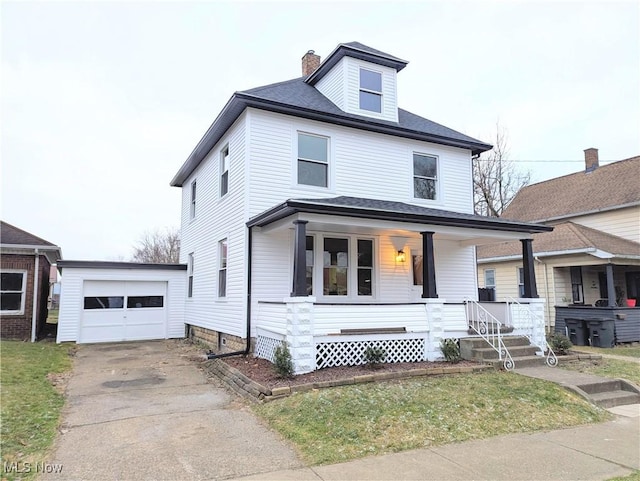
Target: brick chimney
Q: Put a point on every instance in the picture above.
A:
(591, 159)
(310, 63)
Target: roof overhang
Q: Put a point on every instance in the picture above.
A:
(120, 265)
(240, 101)
(343, 50)
(52, 253)
(591, 251)
(433, 217)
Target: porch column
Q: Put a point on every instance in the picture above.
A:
(611, 290)
(300, 260)
(428, 267)
(530, 289)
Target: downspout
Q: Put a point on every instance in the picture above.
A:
(34, 313)
(247, 348)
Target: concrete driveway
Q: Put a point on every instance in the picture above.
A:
(144, 410)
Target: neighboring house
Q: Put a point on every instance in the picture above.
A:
(592, 257)
(25, 265)
(317, 212)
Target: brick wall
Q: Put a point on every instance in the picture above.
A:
(219, 342)
(19, 327)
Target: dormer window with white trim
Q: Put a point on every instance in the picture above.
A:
(313, 160)
(425, 176)
(370, 90)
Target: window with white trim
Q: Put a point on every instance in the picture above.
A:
(313, 160)
(13, 285)
(192, 208)
(370, 90)
(425, 176)
(190, 275)
(520, 281)
(224, 171)
(348, 266)
(222, 268)
(490, 278)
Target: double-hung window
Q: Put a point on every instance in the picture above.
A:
(313, 160)
(224, 171)
(12, 292)
(520, 282)
(222, 268)
(370, 90)
(577, 291)
(490, 278)
(425, 176)
(192, 208)
(190, 275)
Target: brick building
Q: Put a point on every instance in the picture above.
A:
(25, 264)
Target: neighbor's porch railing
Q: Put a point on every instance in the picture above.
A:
(488, 327)
(531, 325)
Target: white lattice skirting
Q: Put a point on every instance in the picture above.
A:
(351, 353)
(266, 347)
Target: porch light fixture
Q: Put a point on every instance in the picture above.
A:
(400, 256)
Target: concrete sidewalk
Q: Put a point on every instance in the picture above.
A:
(592, 452)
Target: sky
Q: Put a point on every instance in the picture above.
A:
(102, 102)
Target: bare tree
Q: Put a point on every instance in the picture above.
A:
(159, 246)
(496, 180)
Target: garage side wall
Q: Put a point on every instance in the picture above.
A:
(72, 296)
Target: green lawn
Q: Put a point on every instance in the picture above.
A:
(608, 368)
(635, 476)
(338, 424)
(30, 404)
(630, 351)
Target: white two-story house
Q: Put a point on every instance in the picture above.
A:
(317, 212)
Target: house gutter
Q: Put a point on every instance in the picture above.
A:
(34, 314)
(247, 348)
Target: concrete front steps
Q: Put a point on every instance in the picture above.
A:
(522, 352)
(608, 394)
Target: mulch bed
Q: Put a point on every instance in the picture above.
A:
(262, 372)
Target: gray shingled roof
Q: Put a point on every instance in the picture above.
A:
(389, 210)
(298, 98)
(567, 236)
(604, 188)
(12, 235)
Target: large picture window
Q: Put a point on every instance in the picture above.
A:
(12, 292)
(313, 160)
(370, 90)
(425, 176)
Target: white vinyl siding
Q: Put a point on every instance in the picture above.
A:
(359, 160)
(73, 281)
(333, 86)
(219, 218)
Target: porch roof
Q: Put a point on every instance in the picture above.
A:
(390, 211)
(566, 238)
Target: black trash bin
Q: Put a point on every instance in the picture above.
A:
(602, 332)
(577, 332)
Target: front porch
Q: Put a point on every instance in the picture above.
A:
(321, 335)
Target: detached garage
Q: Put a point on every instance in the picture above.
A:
(121, 301)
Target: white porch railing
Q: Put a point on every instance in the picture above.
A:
(526, 322)
(489, 328)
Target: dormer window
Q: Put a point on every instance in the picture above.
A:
(370, 90)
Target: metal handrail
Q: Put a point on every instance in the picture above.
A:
(488, 328)
(540, 342)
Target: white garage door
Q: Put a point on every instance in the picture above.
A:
(123, 311)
